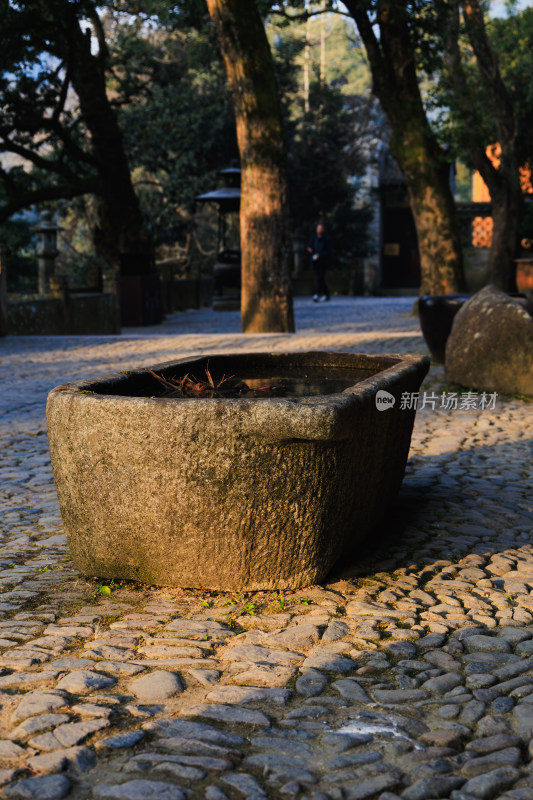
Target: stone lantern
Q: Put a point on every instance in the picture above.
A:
(46, 249)
(227, 270)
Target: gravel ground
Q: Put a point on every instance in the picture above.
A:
(409, 673)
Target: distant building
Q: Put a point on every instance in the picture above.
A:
(482, 224)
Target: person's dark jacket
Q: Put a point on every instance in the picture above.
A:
(321, 245)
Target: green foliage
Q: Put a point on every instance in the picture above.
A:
(18, 255)
(179, 126)
(324, 165)
(248, 610)
(324, 156)
(167, 85)
(474, 126)
(512, 40)
(40, 126)
(175, 111)
(104, 589)
(463, 183)
(345, 65)
(77, 258)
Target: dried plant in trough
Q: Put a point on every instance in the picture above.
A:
(190, 386)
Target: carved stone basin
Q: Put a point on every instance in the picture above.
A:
(230, 493)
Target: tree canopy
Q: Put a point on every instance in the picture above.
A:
(126, 100)
(58, 117)
(483, 103)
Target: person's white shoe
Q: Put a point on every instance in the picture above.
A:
(323, 298)
(315, 298)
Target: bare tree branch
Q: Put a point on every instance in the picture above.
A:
(62, 98)
(103, 51)
(31, 197)
(36, 159)
(490, 74)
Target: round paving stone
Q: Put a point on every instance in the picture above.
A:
(84, 681)
(311, 682)
(502, 705)
(330, 662)
(525, 648)
(48, 787)
(127, 739)
(139, 790)
(487, 644)
(401, 649)
(492, 783)
(156, 686)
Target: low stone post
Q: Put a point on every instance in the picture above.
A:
(370, 276)
(299, 256)
(58, 289)
(110, 286)
(46, 248)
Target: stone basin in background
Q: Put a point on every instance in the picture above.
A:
(490, 346)
(437, 313)
(229, 493)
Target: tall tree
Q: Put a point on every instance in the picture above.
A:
(168, 79)
(77, 142)
(266, 304)
(469, 102)
(325, 164)
(392, 57)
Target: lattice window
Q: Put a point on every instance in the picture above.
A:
(526, 183)
(482, 231)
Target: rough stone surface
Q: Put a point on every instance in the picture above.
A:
(491, 784)
(200, 542)
(68, 735)
(9, 750)
(351, 690)
(490, 346)
(39, 702)
(139, 790)
(432, 787)
(118, 740)
(49, 787)
(229, 714)
(247, 694)
(156, 686)
(78, 759)
(245, 784)
(194, 730)
(84, 682)
(452, 562)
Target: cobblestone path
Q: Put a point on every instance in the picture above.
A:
(408, 674)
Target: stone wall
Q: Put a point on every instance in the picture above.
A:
(78, 314)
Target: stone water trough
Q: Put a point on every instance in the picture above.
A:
(225, 492)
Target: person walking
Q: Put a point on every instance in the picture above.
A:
(319, 249)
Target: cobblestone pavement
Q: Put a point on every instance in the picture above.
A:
(409, 673)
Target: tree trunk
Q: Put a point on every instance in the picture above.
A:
(120, 235)
(505, 247)
(503, 181)
(266, 301)
(413, 144)
(428, 181)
